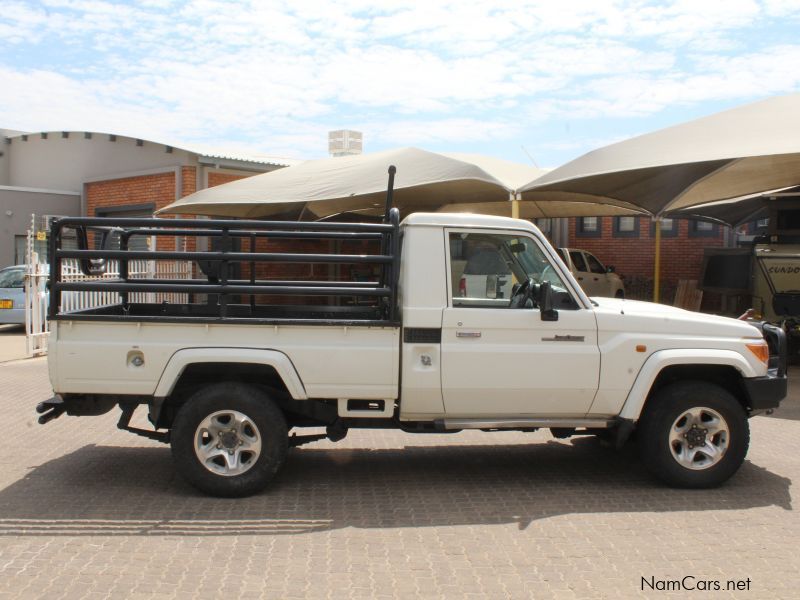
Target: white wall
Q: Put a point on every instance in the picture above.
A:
(16, 207)
(65, 163)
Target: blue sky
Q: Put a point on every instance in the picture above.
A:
(520, 80)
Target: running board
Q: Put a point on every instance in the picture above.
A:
(524, 423)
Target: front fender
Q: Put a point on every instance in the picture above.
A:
(658, 361)
(189, 356)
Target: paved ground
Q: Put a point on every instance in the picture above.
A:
(87, 511)
(12, 343)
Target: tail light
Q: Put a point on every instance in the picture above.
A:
(462, 287)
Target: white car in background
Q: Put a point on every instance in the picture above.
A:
(595, 278)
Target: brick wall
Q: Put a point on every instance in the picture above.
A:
(633, 257)
(158, 190)
(215, 178)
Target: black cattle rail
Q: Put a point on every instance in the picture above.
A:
(365, 302)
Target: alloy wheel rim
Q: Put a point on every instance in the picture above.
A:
(227, 443)
(699, 438)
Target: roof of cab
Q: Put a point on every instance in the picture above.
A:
(467, 220)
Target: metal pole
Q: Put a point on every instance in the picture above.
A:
(657, 262)
(514, 207)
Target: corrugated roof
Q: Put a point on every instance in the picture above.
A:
(207, 151)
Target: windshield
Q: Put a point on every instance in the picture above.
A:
(531, 262)
(12, 278)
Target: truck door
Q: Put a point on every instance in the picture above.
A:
(499, 360)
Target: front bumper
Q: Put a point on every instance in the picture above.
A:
(765, 392)
(768, 391)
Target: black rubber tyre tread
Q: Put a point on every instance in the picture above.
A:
(230, 396)
(659, 415)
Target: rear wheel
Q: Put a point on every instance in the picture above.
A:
(693, 434)
(229, 439)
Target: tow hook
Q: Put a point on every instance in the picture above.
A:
(51, 409)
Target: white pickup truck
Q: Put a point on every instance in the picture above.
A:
(374, 329)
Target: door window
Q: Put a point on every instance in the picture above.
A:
(486, 268)
(595, 266)
(577, 260)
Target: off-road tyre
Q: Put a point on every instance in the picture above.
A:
(661, 434)
(265, 422)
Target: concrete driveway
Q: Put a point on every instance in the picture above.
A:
(12, 343)
(87, 511)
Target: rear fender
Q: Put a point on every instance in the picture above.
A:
(191, 356)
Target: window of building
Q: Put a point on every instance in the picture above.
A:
(39, 246)
(136, 242)
(669, 228)
(703, 229)
(758, 227)
(626, 226)
(589, 226)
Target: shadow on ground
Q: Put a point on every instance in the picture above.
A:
(103, 490)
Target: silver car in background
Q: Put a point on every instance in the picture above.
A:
(12, 295)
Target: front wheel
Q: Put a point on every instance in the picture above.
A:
(229, 439)
(693, 434)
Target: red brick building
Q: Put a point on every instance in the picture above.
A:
(628, 243)
(69, 173)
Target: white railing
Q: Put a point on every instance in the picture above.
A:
(137, 269)
(36, 297)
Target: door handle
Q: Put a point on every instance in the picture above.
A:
(565, 338)
(468, 334)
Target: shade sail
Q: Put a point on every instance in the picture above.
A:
(737, 211)
(424, 181)
(541, 210)
(745, 150)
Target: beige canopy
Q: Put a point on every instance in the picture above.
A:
(540, 210)
(745, 150)
(424, 181)
(737, 211)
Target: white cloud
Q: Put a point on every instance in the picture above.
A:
(440, 71)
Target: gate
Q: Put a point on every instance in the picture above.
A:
(36, 330)
(36, 296)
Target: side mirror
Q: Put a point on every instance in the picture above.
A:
(610, 269)
(548, 313)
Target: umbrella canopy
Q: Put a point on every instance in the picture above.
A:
(741, 151)
(737, 211)
(424, 181)
(541, 209)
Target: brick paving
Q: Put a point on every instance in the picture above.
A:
(87, 511)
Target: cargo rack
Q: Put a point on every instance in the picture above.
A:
(217, 296)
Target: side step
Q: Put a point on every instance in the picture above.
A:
(524, 423)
